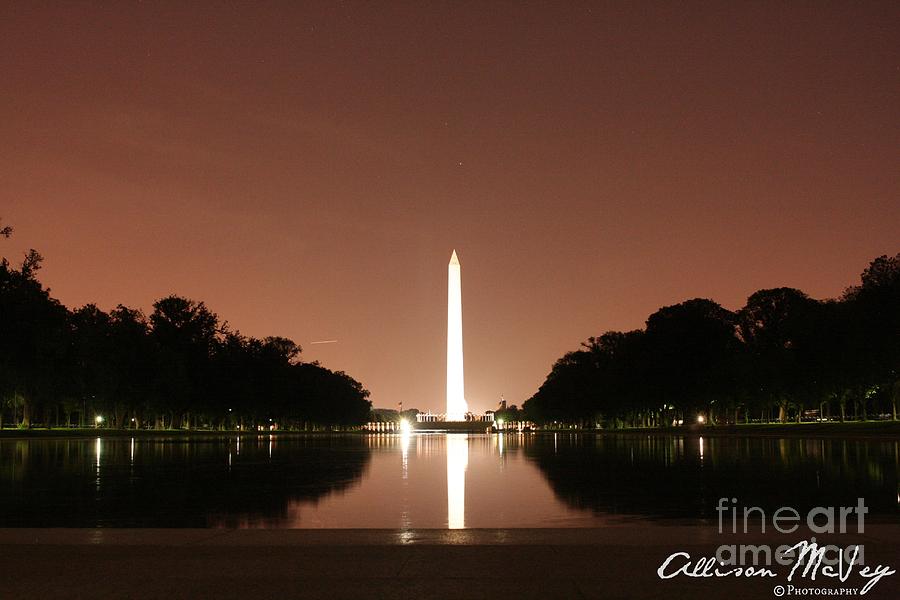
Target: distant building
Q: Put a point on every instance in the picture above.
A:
(430, 417)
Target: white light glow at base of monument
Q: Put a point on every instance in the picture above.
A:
(456, 400)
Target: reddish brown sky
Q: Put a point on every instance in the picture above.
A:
(306, 171)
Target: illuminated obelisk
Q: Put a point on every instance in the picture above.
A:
(456, 399)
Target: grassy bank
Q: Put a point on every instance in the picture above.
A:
(854, 429)
(849, 430)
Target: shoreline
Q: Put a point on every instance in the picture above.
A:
(11, 434)
(847, 430)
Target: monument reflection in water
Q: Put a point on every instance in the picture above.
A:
(457, 451)
(457, 462)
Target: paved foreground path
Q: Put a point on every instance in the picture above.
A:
(615, 562)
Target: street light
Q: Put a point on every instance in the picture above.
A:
(98, 420)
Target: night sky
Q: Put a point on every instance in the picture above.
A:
(307, 170)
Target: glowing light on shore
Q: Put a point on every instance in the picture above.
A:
(405, 438)
(457, 463)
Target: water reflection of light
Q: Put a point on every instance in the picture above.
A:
(270, 446)
(132, 451)
(97, 450)
(238, 449)
(405, 440)
(457, 462)
(500, 437)
(701, 447)
(405, 437)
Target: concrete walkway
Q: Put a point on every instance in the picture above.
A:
(614, 562)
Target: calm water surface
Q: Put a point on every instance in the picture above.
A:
(429, 480)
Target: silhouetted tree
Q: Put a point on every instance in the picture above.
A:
(874, 315)
(782, 350)
(184, 332)
(771, 324)
(691, 354)
(33, 340)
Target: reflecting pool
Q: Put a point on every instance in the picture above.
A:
(430, 480)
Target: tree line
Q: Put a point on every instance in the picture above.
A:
(179, 367)
(782, 357)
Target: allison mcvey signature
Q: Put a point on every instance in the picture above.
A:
(810, 553)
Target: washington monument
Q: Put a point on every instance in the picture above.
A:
(456, 398)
